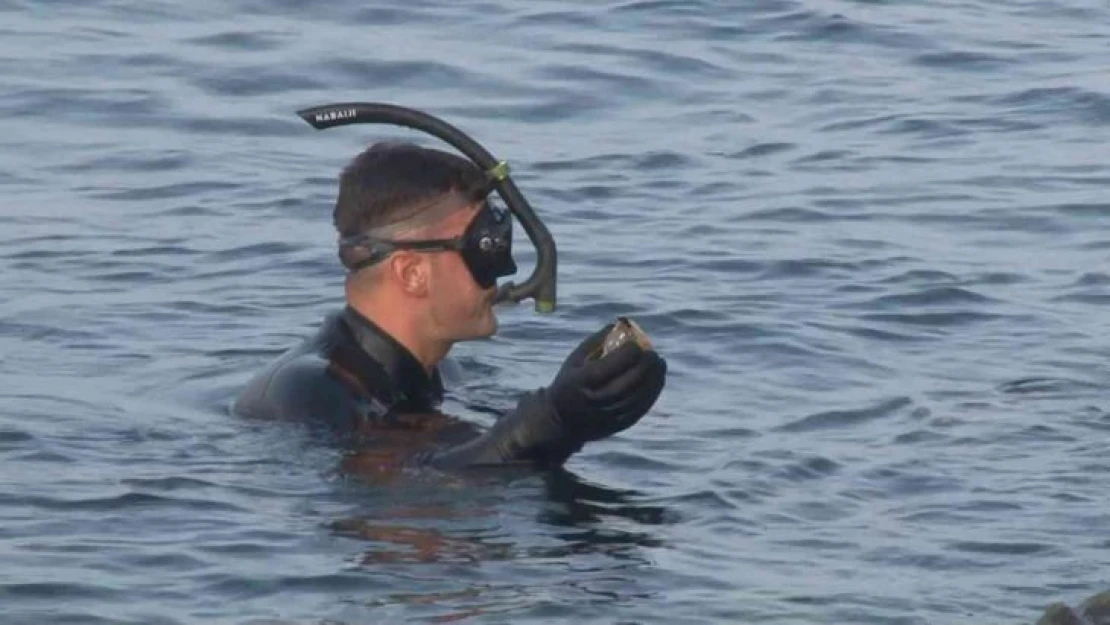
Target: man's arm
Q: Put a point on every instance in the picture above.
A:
(590, 399)
(530, 434)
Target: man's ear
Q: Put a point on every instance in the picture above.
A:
(410, 272)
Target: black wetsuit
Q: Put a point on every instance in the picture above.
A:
(354, 378)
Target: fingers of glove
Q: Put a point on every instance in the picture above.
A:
(624, 416)
(648, 371)
(627, 384)
(633, 405)
(649, 395)
(601, 372)
(656, 376)
(620, 412)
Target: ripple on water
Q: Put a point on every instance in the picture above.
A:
(131, 501)
(834, 419)
(1087, 106)
(1002, 548)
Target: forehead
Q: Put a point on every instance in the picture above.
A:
(457, 221)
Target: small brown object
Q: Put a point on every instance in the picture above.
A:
(624, 330)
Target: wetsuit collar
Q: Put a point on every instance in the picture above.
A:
(407, 378)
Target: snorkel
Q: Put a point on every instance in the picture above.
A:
(539, 286)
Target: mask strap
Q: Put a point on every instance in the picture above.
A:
(381, 248)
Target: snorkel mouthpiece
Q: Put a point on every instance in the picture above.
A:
(540, 286)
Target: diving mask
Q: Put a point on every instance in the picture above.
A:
(485, 246)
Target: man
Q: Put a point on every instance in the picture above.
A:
(424, 249)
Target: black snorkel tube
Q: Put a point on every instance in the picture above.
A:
(541, 284)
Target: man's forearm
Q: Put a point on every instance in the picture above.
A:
(530, 434)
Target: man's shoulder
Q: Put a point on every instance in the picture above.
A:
(300, 385)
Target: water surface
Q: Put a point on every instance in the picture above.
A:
(869, 237)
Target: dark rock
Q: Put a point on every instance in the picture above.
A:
(1060, 614)
(1097, 609)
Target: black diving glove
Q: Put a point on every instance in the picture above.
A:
(588, 400)
(596, 398)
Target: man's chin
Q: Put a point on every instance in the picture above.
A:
(485, 331)
(491, 324)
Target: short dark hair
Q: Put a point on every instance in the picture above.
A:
(392, 181)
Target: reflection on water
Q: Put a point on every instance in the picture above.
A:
(586, 502)
(444, 531)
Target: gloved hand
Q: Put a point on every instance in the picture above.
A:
(588, 400)
(594, 399)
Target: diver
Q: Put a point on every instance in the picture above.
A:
(424, 244)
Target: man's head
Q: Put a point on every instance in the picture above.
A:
(399, 192)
